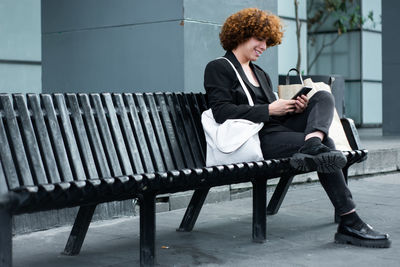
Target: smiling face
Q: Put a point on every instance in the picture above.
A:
(251, 49)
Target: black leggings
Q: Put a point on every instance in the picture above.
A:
(317, 116)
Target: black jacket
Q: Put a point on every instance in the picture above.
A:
(226, 96)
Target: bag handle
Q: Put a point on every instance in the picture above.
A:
(298, 73)
(251, 103)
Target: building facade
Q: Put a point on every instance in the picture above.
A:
(357, 56)
(156, 45)
(20, 46)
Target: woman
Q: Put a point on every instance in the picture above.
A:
(292, 128)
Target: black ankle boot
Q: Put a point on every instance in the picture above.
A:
(314, 155)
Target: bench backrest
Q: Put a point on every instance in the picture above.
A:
(51, 138)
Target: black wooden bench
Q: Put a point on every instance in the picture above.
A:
(66, 150)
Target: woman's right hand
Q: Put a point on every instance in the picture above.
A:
(281, 107)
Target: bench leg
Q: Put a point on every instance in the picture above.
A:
(259, 212)
(79, 230)
(279, 194)
(147, 229)
(5, 238)
(345, 174)
(193, 210)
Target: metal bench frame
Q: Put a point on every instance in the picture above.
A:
(67, 150)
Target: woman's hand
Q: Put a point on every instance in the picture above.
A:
(282, 107)
(301, 103)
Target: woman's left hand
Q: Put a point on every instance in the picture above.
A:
(301, 103)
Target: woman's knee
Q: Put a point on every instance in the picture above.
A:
(324, 96)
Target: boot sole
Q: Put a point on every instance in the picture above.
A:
(345, 239)
(327, 162)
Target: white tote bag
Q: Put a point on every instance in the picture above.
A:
(235, 140)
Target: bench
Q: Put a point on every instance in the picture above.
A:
(67, 150)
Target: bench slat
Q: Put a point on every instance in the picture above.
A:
(84, 145)
(202, 105)
(185, 141)
(160, 133)
(17, 145)
(118, 138)
(43, 139)
(94, 136)
(190, 131)
(148, 129)
(106, 136)
(139, 132)
(3, 182)
(128, 133)
(170, 131)
(72, 147)
(31, 145)
(57, 139)
(195, 115)
(7, 161)
(179, 126)
(201, 101)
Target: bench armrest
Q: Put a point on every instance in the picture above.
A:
(351, 133)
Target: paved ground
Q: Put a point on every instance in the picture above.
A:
(301, 234)
(372, 139)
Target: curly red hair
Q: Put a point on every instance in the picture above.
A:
(250, 22)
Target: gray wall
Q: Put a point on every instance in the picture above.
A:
(92, 46)
(20, 46)
(154, 45)
(391, 67)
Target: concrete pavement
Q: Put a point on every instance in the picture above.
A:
(301, 234)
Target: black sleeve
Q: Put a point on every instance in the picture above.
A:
(219, 82)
